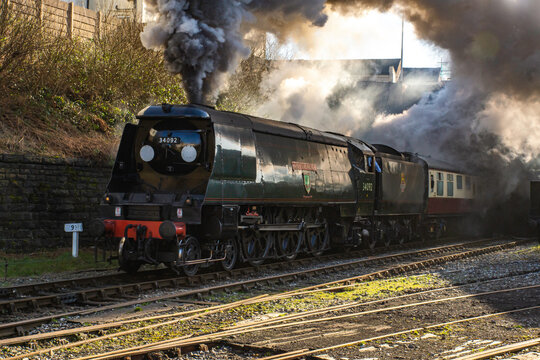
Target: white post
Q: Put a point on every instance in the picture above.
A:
(75, 229)
(75, 245)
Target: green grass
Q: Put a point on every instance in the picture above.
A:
(47, 261)
(366, 291)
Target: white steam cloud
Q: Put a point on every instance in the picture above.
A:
(299, 92)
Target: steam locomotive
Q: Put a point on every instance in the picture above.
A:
(192, 186)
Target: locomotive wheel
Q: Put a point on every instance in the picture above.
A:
(255, 246)
(125, 248)
(391, 234)
(372, 244)
(189, 252)
(380, 235)
(377, 235)
(405, 232)
(401, 234)
(230, 247)
(289, 243)
(317, 240)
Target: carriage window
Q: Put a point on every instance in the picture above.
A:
(450, 185)
(467, 183)
(440, 184)
(459, 180)
(432, 183)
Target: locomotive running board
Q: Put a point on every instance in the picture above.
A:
(282, 227)
(200, 261)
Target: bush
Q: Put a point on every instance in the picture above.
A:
(59, 93)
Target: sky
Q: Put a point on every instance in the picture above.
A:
(374, 35)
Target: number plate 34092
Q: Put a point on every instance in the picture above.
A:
(169, 140)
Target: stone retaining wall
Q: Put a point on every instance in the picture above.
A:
(40, 194)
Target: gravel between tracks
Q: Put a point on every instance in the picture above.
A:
(444, 343)
(462, 338)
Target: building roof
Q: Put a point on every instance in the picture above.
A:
(424, 75)
(363, 67)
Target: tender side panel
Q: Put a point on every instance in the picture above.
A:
(403, 187)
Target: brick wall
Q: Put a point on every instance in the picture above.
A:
(40, 194)
(60, 17)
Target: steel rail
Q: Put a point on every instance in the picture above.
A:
(501, 350)
(76, 282)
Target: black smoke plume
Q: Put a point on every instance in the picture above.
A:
(203, 39)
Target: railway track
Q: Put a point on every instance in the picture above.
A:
(310, 352)
(107, 296)
(175, 343)
(166, 275)
(121, 291)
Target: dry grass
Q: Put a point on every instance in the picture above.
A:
(70, 97)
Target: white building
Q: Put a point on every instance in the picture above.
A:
(118, 8)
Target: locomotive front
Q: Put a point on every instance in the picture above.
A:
(157, 188)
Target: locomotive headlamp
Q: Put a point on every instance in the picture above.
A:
(147, 153)
(189, 153)
(188, 202)
(108, 199)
